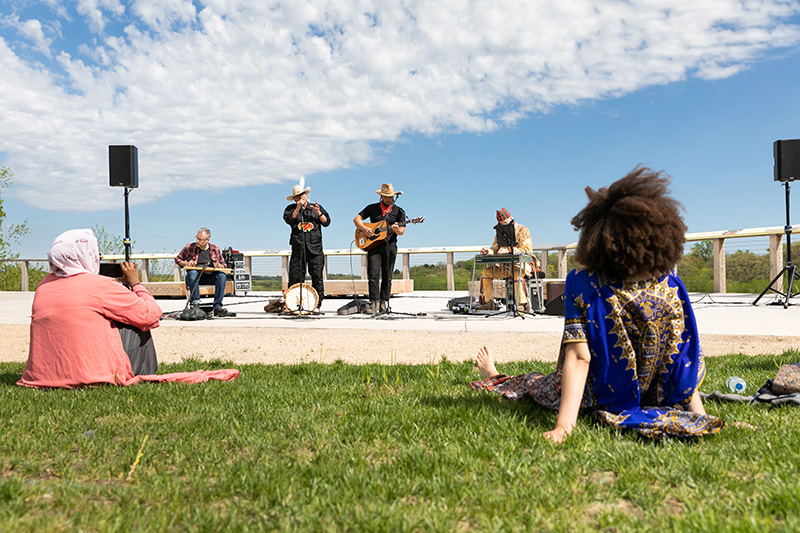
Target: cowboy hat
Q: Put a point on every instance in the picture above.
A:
(388, 190)
(297, 190)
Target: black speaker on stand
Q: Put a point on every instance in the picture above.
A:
(787, 168)
(123, 171)
(123, 166)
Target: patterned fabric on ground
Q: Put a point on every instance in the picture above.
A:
(544, 389)
(646, 358)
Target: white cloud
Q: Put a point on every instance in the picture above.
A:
(162, 14)
(92, 12)
(221, 93)
(31, 30)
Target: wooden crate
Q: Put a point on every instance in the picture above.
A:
(498, 285)
(177, 289)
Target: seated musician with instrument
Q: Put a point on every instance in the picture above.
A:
(200, 258)
(381, 257)
(507, 234)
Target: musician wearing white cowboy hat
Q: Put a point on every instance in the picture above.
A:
(306, 221)
(381, 258)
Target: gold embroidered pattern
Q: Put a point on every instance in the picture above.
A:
(647, 319)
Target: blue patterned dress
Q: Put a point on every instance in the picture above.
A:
(646, 360)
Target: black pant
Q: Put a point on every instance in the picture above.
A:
(139, 346)
(380, 265)
(315, 264)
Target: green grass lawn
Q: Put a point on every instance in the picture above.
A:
(317, 447)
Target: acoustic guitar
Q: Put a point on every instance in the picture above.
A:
(380, 233)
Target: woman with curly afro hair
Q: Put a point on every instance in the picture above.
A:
(630, 354)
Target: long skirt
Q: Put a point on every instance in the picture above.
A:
(654, 422)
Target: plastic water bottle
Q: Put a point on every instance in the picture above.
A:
(736, 384)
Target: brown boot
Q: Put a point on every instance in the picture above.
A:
(384, 306)
(488, 306)
(372, 307)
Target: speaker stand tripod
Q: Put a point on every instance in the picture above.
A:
(388, 314)
(789, 269)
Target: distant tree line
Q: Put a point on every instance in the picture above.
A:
(746, 271)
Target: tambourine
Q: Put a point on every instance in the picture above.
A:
(301, 304)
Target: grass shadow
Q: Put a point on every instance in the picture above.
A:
(528, 410)
(9, 378)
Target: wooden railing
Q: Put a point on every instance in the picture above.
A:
(718, 238)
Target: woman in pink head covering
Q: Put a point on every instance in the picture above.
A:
(75, 338)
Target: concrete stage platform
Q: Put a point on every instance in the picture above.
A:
(717, 314)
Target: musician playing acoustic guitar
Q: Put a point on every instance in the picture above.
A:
(522, 237)
(381, 258)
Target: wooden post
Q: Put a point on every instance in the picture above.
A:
(324, 268)
(364, 266)
(285, 271)
(450, 276)
(176, 271)
(562, 263)
(776, 260)
(720, 277)
(248, 265)
(23, 277)
(406, 266)
(544, 262)
(145, 267)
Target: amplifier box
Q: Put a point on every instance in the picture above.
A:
(554, 296)
(242, 281)
(553, 290)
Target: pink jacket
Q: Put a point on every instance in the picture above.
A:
(73, 339)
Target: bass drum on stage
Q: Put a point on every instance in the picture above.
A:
(301, 299)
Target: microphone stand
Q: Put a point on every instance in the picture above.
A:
(303, 266)
(511, 308)
(302, 259)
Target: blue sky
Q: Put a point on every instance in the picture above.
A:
(465, 109)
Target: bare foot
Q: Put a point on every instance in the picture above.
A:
(485, 362)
